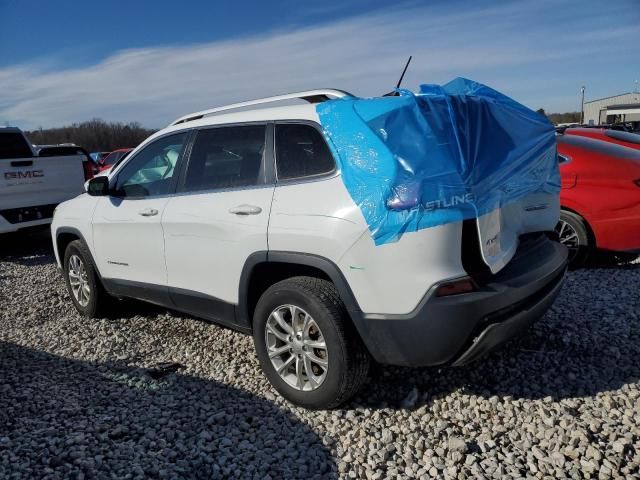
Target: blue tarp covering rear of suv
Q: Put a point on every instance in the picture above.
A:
(445, 154)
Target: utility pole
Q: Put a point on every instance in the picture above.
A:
(582, 107)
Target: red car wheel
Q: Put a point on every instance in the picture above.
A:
(573, 234)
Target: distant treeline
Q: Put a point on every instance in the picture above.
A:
(95, 135)
(568, 117)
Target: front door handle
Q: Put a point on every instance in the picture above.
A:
(245, 210)
(148, 212)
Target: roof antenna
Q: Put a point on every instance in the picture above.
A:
(394, 93)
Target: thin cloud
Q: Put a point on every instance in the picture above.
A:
(362, 54)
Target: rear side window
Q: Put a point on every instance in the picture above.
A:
(226, 157)
(301, 151)
(13, 145)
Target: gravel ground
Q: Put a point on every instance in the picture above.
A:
(152, 394)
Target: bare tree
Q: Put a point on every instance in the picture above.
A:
(94, 135)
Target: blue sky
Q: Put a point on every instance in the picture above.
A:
(67, 61)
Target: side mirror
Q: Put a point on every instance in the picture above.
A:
(98, 186)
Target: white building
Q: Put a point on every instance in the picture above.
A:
(616, 109)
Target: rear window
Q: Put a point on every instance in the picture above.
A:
(13, 145)
(599, 146)
(301, 151)
(623, 136)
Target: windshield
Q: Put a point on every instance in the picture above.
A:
(111, 158)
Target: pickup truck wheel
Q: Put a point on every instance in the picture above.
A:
(572, 233)
(306, 345)
(83, 283)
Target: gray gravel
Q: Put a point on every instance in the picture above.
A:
(152, 394)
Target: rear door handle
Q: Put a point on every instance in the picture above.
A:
(148, 212)
(245, 210)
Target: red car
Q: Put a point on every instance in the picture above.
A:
(600, 196)
(626, 139)
(108, 161)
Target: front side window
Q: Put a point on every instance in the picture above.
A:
(151, 171)
(301, 151)
(226, 157)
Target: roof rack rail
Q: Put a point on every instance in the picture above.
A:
(311, 96)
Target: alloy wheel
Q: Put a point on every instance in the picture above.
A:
(296, 347)
(569, 238)
(79, 281)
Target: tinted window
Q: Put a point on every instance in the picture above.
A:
(13, 145)
(151, 171)
(624, 136)
(301, 151)
(226, 157)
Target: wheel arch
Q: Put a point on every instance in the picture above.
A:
(275, 266)
(590, 232)
(66, 235)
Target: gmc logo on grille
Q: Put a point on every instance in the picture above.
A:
(26, 174)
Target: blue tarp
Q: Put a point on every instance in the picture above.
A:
(445, 154)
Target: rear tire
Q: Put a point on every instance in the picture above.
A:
(83, 283)
(301, 328)
(573, 233)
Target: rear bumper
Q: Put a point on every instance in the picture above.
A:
(7, 227)
(14, 219)
(461, 328)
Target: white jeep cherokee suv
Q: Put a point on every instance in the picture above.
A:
(242, 218)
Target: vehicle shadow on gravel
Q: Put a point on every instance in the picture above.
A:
(29, 247)
(588, 343)
(606, 259)
(65, 418)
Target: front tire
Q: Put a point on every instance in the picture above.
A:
(306, 344)
(573, 234)
(83, 284)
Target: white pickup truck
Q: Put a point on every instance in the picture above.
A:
(33, 182)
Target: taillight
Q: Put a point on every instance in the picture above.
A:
(463, 285)
(88, 170)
